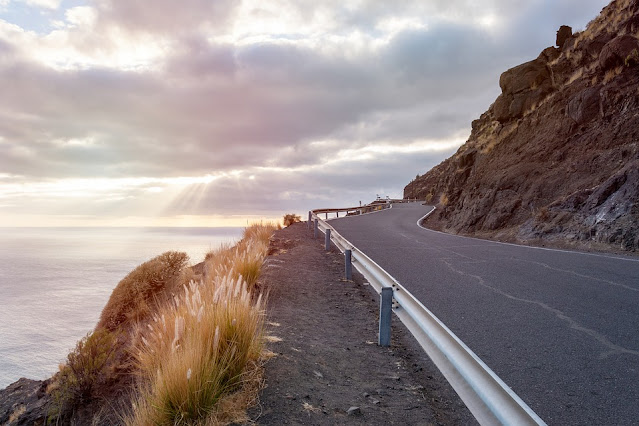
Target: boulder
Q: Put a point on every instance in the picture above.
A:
(621, 50)
(549, 54)
(584, 106)
(563, 34)
(527, 76)
(501, 107)
(522, 87)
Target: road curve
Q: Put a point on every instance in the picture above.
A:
(561, 328)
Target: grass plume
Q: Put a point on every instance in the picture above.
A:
(204, 345)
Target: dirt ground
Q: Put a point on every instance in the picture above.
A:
(328, 368)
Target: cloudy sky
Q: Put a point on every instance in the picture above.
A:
(212, 112)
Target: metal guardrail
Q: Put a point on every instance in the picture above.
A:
(487, 397)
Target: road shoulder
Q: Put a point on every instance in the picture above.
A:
(327, 367)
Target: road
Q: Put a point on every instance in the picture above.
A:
(560, 328)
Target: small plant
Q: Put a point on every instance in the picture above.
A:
(543, 214)
(88, 368)
(291, 218)
(632, 59)
(443, 199)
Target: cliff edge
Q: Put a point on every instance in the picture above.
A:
(556, 156)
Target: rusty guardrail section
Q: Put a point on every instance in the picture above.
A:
(487, 397)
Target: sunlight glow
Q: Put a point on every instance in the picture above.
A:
(81, 188)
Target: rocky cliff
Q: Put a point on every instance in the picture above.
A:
(556, 156)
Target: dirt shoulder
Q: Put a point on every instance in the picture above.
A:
(327, 361)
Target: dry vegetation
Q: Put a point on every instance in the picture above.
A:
(291, 218)
(185, 351)
(135, 296)
(611, 74)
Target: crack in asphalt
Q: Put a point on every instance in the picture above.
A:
(573, 324)
(552, 268)
(541, 264)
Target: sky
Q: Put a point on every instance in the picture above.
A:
(223, 112)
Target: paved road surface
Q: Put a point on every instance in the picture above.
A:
(560, 328)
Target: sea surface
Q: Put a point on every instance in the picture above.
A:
(54, 283)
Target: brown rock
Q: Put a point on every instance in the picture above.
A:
(563, 34)
(24, 403)
(584, 106)
(527, 76)
(619, 51)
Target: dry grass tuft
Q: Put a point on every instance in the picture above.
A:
(574, 77)
(612, 73)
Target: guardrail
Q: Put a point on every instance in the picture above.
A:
(487, 397)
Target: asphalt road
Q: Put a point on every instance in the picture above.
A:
(560, 328)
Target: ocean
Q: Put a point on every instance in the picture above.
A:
(54, 283)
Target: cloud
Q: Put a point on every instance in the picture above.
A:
(166, 16)
(320, 102)
(46, 4)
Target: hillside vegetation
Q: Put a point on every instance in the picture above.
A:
(175, 345)
(556, 156)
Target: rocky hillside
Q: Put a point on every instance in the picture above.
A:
(556, 157)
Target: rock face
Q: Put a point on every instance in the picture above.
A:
(24, 403)
(556, 157)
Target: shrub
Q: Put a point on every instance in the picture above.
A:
(133, 297)
(291, 218)
(89, 367)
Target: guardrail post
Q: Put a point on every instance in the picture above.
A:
(385, 305)
(316, 230)
(309, 219)
(348, 266)
(327, 240)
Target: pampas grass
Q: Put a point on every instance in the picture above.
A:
(198, 350)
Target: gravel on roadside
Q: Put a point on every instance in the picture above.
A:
(327, 368)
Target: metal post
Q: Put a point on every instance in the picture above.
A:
(316, 230)
(348, 267)
(385, 305)
(309, 219)
(327, 240)
(326, 216)
(337, 214)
